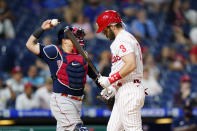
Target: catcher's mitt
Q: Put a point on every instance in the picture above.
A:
(109, 103)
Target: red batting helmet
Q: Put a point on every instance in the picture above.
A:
(106, 18)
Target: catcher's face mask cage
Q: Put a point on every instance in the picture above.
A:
(77, 32)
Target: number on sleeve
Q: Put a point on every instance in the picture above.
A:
(123, 48)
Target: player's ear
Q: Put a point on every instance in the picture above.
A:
(113, 27)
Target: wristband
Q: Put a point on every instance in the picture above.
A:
(38, 32)
(115, 77)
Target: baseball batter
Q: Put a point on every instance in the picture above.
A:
(68, 70)
(127, 70)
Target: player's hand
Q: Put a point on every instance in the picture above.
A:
(46, 25)
(104, 81)
(107, 94)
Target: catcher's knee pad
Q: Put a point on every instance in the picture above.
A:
(80, 127)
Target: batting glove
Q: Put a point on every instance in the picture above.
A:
(108, 93)
(107, 81)
(104, 81)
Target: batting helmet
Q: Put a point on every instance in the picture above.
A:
(106, 18)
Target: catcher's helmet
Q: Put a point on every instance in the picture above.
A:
(106, 18)
(77, 32)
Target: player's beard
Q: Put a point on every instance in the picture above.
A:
(110, 34)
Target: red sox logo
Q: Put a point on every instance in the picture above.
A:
(59, 63)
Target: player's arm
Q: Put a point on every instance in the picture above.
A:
(32, 43)
(127, 55)
(129, 66)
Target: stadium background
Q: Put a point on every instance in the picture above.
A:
(165, 29)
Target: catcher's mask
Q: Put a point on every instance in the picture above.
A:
(77, 32)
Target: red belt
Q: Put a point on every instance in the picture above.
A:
(72, 97)
(119, 84)
(136, 81)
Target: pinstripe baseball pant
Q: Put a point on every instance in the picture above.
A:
(126, 113)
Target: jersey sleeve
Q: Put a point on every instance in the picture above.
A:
(126, 46)
(48, 52)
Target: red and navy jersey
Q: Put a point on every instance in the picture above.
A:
(68, 71)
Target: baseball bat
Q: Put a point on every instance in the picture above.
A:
(70, 35)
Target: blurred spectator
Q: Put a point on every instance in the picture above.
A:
(194, 100)
(43, 94)
(92, 10)
(154, 11)
(26, 100)
(129, 10)
(6, 17)
(187, 122)
(104, 64)
(175, 14)
(192, 35)
(110, 5)
(72, 11)
(43, 68)
(32, 76)
(6, 94)
(150, 64)
(145, 51)
(179, 36)
(178, 64)
(47, 40)
(55, 5)
(190, 14)
(151, 83)
(81, 22)
(193, 55)
(154, 1)
(34, 6)
(166, 56)
(16, 82)
(184, 92)
(143, 27)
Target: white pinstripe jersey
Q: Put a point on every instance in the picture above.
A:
(124, 44)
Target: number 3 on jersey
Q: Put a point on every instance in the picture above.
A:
(123, 48)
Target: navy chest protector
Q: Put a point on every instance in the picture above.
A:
(72, 71)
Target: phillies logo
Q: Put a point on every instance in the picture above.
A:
(59, 63)
(115, 58)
